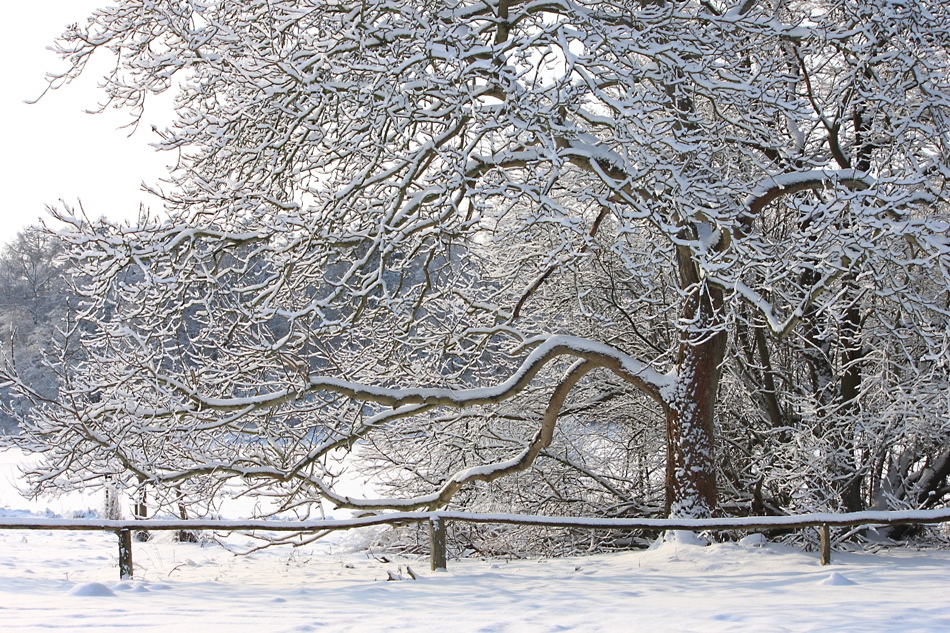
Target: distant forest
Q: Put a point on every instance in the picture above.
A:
(34, 303)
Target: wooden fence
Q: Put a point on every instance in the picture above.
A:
(437, 521)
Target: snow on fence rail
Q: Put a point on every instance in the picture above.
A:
(437, 521)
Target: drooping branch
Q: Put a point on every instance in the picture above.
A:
(409, 402)
(486, 472)
(634, 371)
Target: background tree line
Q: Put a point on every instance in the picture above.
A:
(34, 303)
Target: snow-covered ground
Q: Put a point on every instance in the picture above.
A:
(69, 581)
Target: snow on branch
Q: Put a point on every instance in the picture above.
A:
(634, 371)
(774, 187)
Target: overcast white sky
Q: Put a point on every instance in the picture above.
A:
(53, 151)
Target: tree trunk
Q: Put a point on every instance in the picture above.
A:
(690, 411)
(690, 432)
(836, 397)
(140, 510)
(852, 353)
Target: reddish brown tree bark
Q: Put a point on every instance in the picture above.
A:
(690, 410)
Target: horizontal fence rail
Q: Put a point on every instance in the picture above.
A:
(437, 521)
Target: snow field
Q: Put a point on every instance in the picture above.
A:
(68, 581)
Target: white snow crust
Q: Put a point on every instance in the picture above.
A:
(68, 581)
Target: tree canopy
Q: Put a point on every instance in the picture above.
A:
(438, 230)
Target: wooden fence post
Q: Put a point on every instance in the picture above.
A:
(825, 535)
(125, 554)
(437, 543)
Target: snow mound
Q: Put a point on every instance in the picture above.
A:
(684, 537)
(139, 587)
(754, 540)
(91, 589)
(837, 579)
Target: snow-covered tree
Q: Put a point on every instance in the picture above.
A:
(383, 212)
